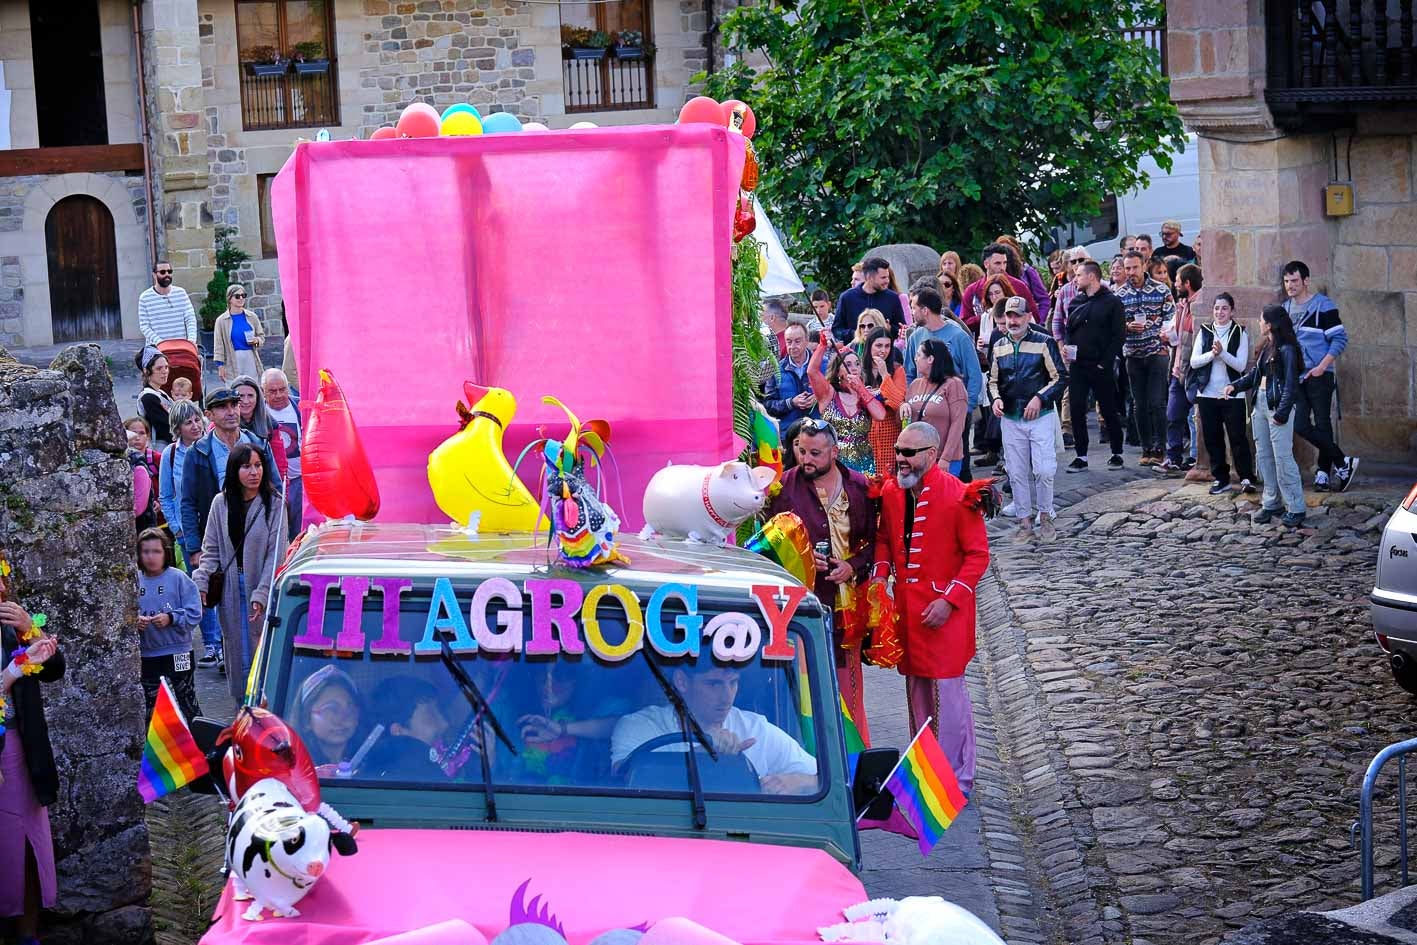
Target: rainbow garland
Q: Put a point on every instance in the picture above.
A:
(21, 657)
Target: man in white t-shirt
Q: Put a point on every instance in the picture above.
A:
(284, 408)
(783, 766)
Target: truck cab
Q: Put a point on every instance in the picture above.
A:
(625, 744)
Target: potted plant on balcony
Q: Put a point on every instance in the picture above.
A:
(630, 44)
(589, 44)
(309, 58)
(265, 61)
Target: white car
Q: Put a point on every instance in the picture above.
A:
(1393, 603)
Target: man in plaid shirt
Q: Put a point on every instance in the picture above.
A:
(1058, 328)
(1148, 306)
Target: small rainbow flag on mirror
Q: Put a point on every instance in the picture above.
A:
(171, 757)
(925, 789)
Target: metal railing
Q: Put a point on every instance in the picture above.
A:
(1364, 826)
(608, 84)
(288, 100)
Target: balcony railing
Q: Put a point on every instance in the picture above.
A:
(1331, 57)
(288, 100)
(1153, 37)
(609, 84)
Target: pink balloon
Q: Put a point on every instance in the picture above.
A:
(419, 120)
(381, 134)
(701, 109)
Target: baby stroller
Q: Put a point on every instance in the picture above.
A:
(183, 360)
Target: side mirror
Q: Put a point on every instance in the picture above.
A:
(204, 733)
(868, 794)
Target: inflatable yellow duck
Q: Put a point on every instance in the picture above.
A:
(471, 479)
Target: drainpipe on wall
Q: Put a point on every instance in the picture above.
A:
(144, 131)
(709, 29)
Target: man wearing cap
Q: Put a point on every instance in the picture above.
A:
(1026, 377)
(1171, 244)
(204, 469)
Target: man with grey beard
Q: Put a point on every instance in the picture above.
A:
(931, 538)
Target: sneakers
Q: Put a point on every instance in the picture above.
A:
(1148, 458)
(988, 459)
(1219, 488)
(1025, 532)
(211, 657)
(1009, 511)
(1247, 487)
(1166, 466)
(221, 667)
(1188, 463)
(1115, 462)
(1320, 481)
(1079, 464)
(1343, 475)
(1047, 531)
(1265, 516)
(1293, 520)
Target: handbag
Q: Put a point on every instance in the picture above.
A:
(216, 585)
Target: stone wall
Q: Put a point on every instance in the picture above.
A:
(66, 523)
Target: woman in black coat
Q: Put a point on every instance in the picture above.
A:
(31, 782)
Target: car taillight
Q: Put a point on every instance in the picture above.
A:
(1382, 641)
(1411, 499)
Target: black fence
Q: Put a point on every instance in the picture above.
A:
(608, 84)
(289, 99)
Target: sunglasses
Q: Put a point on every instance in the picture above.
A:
(812, 425)
(909, 451)
(163, 272)
(239, 295)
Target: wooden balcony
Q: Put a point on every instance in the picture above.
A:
(71, 160)
(1330, 58)
(1153, 37)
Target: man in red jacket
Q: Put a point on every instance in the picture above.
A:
(931, 535)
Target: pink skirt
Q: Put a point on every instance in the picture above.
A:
(23, 822)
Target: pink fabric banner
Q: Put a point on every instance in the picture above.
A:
(591, 265)
(587, 884)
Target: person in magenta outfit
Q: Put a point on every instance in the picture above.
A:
(31, 780)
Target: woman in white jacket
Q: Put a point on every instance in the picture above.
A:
(1224, 347)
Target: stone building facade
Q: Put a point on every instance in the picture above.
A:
(1286, 98)
(221, 124)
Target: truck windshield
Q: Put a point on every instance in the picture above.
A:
(578, 721)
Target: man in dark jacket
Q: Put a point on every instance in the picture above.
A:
(875, 293)
(204, 470)
(834, 503)
(789, 395)
(1026, 378)
(1095, 332)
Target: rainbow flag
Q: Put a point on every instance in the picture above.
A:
(171, 757)
(925, 789)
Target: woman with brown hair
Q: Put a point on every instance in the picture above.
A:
(846, 403)
(884, 376)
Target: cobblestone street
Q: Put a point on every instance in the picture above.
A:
(1186, 705)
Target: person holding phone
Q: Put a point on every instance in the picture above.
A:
(835, 504)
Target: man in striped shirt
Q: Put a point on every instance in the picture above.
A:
(1148, 306)
(164, 310)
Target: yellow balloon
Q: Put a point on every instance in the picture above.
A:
(462, 124)
(469, 472)
(762, 261)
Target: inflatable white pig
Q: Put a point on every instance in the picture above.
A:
(276, 851)
(704, 503)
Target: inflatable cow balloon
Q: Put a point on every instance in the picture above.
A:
(704, 503)
(276, 850)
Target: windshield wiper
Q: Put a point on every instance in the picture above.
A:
(691, 729)
(482, 710)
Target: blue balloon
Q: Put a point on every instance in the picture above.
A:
(459, 107)
(500, 121)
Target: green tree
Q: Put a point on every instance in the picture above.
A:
(229, 258)
(944, 122)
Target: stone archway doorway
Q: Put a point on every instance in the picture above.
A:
(83, 270)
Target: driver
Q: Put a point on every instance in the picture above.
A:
(783, 766)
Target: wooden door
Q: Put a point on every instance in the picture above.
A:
(83, 270)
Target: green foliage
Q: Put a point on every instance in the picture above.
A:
(229, 258)
(750, 347)
(944, 123)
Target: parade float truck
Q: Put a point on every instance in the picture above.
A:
(527, 751)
